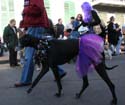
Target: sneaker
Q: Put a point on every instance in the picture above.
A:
(22, 84)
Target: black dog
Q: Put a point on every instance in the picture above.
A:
(57, 52)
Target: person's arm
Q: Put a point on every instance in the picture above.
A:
(111, 28)
(96, 19)
(5, 35)
(75, 24)
(63, 31)
(51, 28)
(81, 24)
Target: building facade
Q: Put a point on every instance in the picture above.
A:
(9, 9)
(62, 9)
(110, 8)
(55, 9)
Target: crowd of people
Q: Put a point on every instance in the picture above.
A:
(36, 23)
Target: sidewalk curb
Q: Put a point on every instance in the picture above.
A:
(4, 61)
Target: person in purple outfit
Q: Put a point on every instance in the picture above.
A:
(91, 45)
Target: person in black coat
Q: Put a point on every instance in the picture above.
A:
(59, 29)
(112, 34)
(11, 40)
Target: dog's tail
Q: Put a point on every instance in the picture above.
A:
(110, 68)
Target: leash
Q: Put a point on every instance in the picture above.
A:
(42, 49)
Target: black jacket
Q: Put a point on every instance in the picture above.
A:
(112, 34)
(10, 37)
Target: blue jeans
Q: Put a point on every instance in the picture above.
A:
(118, 45)
(28, 67)
(74, 35)
(60, 70)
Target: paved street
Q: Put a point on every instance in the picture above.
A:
(43, 94)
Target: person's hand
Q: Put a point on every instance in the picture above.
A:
(117, 29)
(21, 32)
(84, 24)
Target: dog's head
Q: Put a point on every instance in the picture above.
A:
(28, 41)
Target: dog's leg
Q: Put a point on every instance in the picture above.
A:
(58, 80)
(102, 72)
(45, 69)
(84, 86)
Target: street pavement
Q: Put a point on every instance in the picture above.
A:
(43, 94)
(5, 58)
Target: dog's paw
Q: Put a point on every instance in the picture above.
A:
(58, 95)
(29, 90)
(77, 96)
(114, 102)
